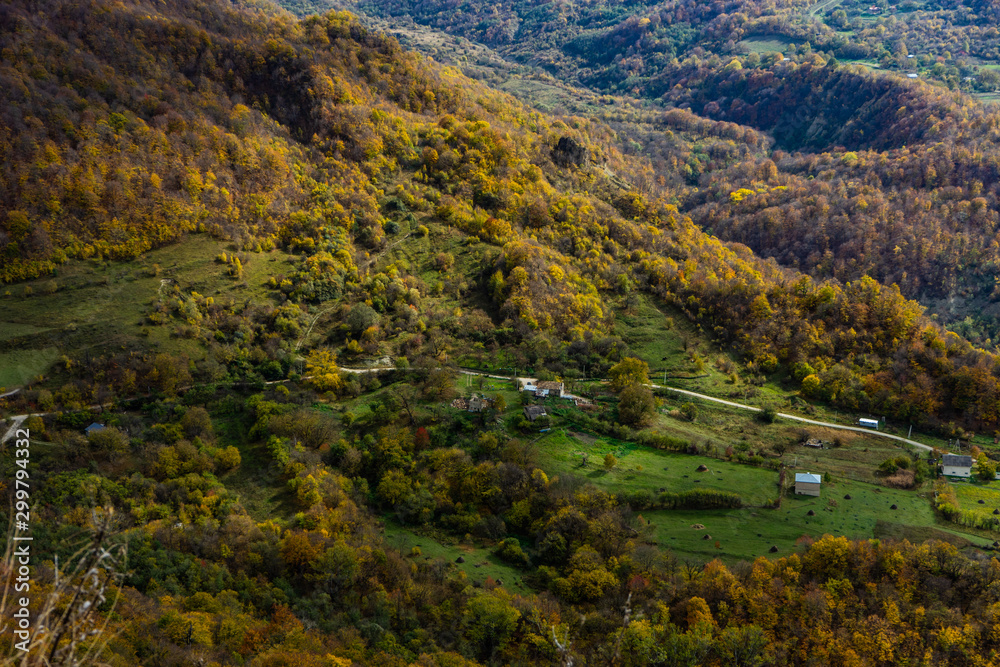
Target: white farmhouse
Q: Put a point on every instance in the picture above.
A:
(956, 465)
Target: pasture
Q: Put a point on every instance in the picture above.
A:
(479, 564)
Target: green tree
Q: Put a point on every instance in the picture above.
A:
(741, 646)
(228, 458)
(109, 440)
(636, 405)
(196, 422)
(768, 414)
(394, 488)
(361, 317)
(987, 469)
(811, 385)
(627, 372)
(490, 621)
(609, 461)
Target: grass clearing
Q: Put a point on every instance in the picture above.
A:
(102, 307)
(12, 330)
(18, 367)
(257, 481)
(970, 492)
(479, 564)
(745, 534)
(871, 64)
(767, 43)
(717, 427)
(640, 468)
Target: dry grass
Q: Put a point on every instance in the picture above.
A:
(901, 479)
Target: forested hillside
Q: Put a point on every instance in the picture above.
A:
(927, 154)
(282, 197)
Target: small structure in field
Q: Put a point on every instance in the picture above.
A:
(956, 465)
(807, 484)
(533, 412)
(478, 403)
(814, 442)
(474, 403)
(526, 384)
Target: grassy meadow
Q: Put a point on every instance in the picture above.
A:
(479, 564)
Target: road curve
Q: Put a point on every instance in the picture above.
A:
(16, 422)
(866, 431)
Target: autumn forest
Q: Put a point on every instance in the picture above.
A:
(351, 333)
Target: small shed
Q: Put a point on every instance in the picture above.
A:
(477, 403)
(527, 384)
(533, 412)
(868, 423)
(93, 427)
(807, 484)
(956, 465)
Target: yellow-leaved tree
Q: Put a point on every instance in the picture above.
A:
(324, 374)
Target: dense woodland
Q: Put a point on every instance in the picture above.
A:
(819, 113)
(126, 127)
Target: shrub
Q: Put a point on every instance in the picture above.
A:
(768, 415)
(228, 458)
(510, 551)
(700, 499)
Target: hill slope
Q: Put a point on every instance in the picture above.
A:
(260, 199)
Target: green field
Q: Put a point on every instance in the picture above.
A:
(745, 534)
(479, 563)
(766, 43)
(641, 468)
(100, 306)
(971, 492)
(11, 330)
(20, 366)
(867, 63)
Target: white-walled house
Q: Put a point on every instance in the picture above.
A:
(956, 465)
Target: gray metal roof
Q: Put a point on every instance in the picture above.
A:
(807, 478)
(958, 460)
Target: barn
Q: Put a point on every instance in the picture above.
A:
(807, 484)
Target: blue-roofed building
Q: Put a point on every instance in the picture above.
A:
(93, 427)
(807, 484)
